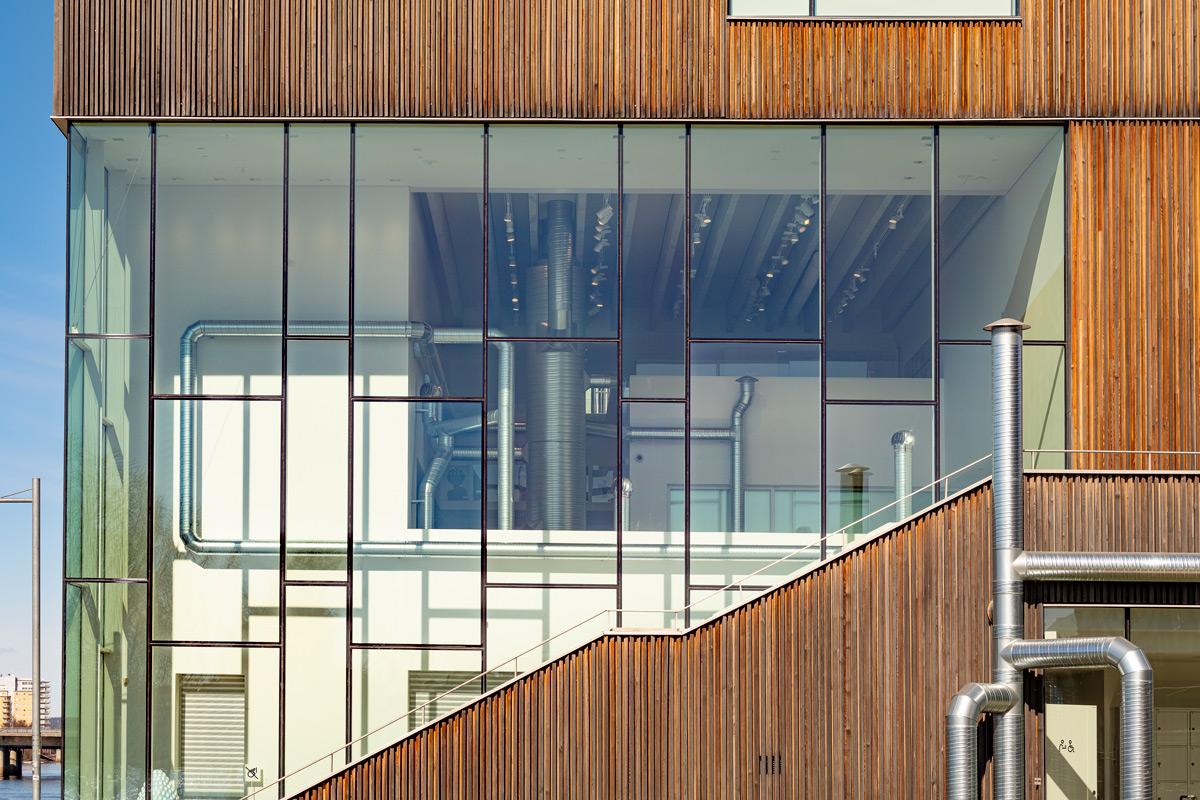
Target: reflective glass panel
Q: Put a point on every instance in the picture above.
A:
(879, 263)
(1002, 230)
(104, 700)
(215, 720)
(317, 475)
(107, 457)
(109, 229)
(418, 492)
(877, 456)
(219, 259)
(314, 680)
(318, 231)
(564, 401)
(652, 549)
(772, 394)
(398, 691)
(530, 625)
(915, 8)
(967, 402)
(653, 241)
(755, 232)
(418, 258)
(216, 525)
(553, 230)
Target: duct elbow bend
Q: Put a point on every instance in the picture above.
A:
(745, 398)
(979, 698)
(1129, 659)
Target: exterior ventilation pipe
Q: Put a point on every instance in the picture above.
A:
(962, 734)
(902, 445)
(1034, 566)
(737, 434)
(1137, 695)
(1008, 537)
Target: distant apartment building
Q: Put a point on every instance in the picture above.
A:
(16, 701)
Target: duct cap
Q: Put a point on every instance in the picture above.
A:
(904, 439)
(1007, 322)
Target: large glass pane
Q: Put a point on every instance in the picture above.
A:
(398, 691)
(418, 257)
(1003, 230)
(109, 270)
(216, 524)
(755, 232)
(878, 455)
(967, 409)
(314, 681)
(771, 393)
(564, 406)
(107, 448)
(553, 230)
(530, 625)
(214, 721)
(219, 259)
(317, 438)
(1083, 710)
(418, 492)
(653, 241)
(318, 229)
(104, 700)
(879, 271)
(652, 548)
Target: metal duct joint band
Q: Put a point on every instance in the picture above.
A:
(1137, 695)
(1034, 566)
(962, 734)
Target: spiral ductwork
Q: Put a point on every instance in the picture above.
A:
(962, 734)
(1033, 566)
(902, 447)
(1137, 695)
(557, 438)
(564, 315)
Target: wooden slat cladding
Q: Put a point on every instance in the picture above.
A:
(1135, 286)
(842, 676)
(614, 58)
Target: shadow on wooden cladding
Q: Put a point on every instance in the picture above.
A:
(616, 59)
(833, 685)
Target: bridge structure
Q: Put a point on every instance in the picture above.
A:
(14, 742)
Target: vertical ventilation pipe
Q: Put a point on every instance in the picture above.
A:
(437, 469)
(1008, 539)
(902, 445)
(562, 274)
(737, 434)
(504, 436)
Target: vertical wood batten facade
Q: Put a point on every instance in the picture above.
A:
(1135, 284)
(845, 674)
(609, 58)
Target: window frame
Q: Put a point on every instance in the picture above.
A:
(813, 16)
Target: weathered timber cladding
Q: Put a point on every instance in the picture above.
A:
(614, 58)
(845, 673)
(1135, 284)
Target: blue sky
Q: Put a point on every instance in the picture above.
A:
(32, 278)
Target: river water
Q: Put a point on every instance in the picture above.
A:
(23, 789)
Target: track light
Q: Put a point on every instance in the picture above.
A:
(806, 208)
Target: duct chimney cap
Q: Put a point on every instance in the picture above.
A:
(904, 439)
(1007, 323)
(747, 379)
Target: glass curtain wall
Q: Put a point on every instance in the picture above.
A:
(424, 397)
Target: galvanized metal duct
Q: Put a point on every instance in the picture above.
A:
(504, 436)
(1034, 566)
(962, 734)
(1137, 695)
(902, 446)
(437, 469)
(737, 434)
(1008, 538)
(564, 312)
(556, 438)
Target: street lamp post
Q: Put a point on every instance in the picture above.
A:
(35, 502)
